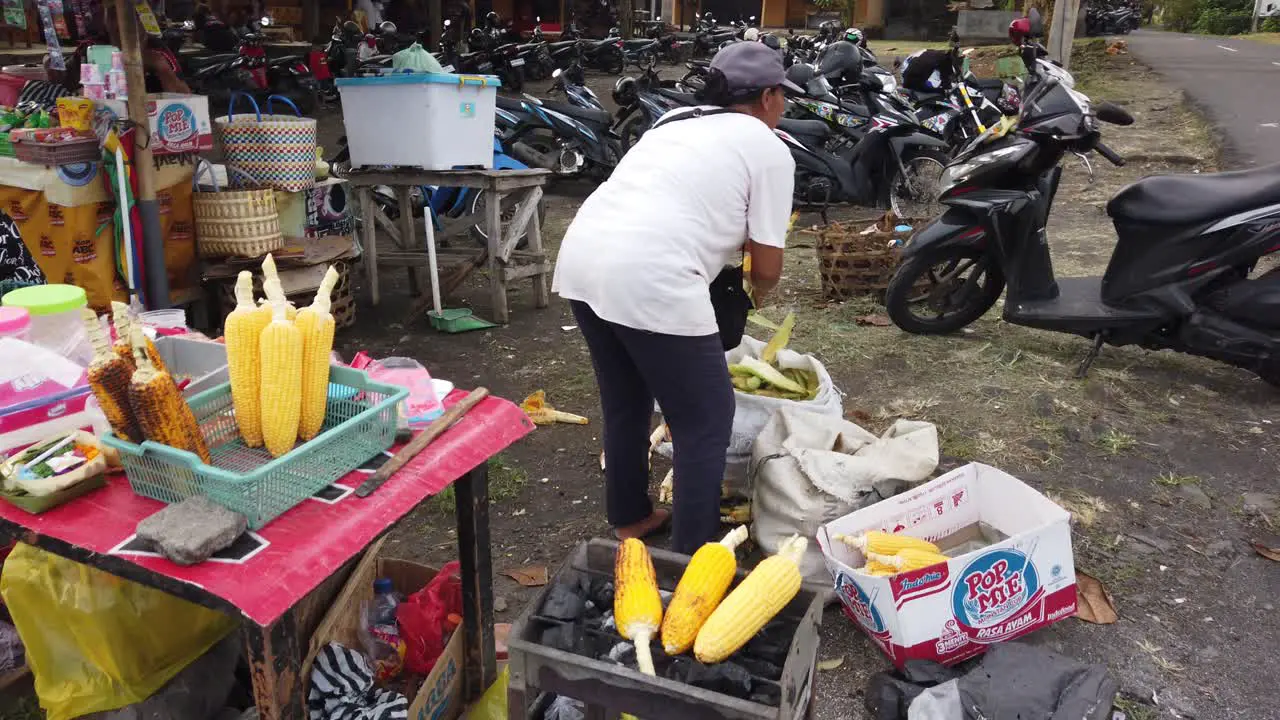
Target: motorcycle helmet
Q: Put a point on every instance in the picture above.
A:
(1019, 29)
(491, 19)
(801, 74)
(751, 34)
(386, 27)
(477, 36)
(854, 35)
(841, 62)
(771, 41)
(625, 90)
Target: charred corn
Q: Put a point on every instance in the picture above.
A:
(883, 543)
(242, 332)
(702, 586)
(757, 599)
(109, 377)
(909, 559)
(124, 337)
(162, 413)
(637, 606)
(280, 352)
(316, 326)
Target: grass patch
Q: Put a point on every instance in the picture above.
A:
(21, 707)
(1116, 442)
(505, 482)
(1134, 710)
(1272, 38)
(1173, 480)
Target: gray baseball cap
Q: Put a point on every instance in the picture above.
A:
(752, 66)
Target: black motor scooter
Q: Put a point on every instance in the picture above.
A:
(1178, 278)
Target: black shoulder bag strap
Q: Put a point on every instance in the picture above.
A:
(729, 298)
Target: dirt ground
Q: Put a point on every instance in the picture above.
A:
(1167, 462)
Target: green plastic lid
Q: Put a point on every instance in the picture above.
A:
(47, 299)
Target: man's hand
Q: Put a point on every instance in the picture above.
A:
(766, 270)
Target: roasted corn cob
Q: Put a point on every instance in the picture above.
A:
(878, 569)
(908, 559)
(109, 377)
(241, 333)
(162, 413)
(637, 606)
(702, 586)
(760, 596)
(316, 326)
(280, 352)
(883, 543)
(124, 338)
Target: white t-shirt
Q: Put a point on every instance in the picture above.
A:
(678, 208)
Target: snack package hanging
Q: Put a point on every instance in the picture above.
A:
(96, 642)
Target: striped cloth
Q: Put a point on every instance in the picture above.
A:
(43, 93)
(342, 689)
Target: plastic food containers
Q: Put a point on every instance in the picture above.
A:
(434, 121)
(15, 322)
(56, 323)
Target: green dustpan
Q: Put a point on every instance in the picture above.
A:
(457, 320)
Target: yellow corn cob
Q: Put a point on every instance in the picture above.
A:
(109, 378)
(883, 543)
(760, 596)
(878, 569)
(162, 413)
(124, 338)
(909, 559)
(270, 275)
(701, 588)
(316, 326)
(637, 606)
(241, 332)
(280, 354)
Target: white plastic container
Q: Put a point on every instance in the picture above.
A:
(56, 322)
(426, 120)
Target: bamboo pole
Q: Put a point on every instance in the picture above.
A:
(157, 278)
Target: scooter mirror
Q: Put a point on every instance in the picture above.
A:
(1114, 114)
(751, 19)
(265, 21)
(447, 23)
(1037, 23)
(556, 73)
(537, 18)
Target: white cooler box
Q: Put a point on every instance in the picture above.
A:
(435, 121)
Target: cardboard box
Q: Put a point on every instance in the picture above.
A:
(179, 123)
(1022, 580)
(439, 697)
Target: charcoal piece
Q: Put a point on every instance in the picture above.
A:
(563, 603)
(560, 637)
(773, 643)
(757, 667)
(727, 677)
(596, 589)
(623, 653)
(767, 694)
(193, 530)
(565, 708)
(889, 694)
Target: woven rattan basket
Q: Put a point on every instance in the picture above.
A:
(235, 223)
(854, 262)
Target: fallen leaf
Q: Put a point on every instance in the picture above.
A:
(861, 416)
(875, 320)
(1093, 601)
(531, 576)
(831, 664)
(1269, 549)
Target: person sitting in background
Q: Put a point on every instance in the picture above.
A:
(160, 66)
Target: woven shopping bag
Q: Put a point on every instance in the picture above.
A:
(276, 151)
(234, 223)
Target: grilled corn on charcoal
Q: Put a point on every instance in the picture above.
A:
(162, 413)
(758, 598)
(702, 586)
(242, 332)
(316, 326)
(109, 377)
(884, 543)
(637, 606)
(124, 337)
(280, 352)
(908, 559)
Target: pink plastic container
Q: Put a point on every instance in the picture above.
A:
(15, 322)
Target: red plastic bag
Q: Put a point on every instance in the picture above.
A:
(423, 615)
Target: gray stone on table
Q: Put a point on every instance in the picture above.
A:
(193, 530)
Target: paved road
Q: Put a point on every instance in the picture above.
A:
(1235, 81)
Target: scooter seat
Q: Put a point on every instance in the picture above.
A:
(206, 60)
(1189, 199)
(808, 128)
(987, 83)
(599, 117)
(510, 104)
(683, 98)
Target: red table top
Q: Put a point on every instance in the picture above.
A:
(307, 543)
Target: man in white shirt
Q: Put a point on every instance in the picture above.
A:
(696, 191)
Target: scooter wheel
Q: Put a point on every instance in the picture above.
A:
(636, 124)
(939, 292)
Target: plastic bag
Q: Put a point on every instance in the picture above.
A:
(415, 59)
(96, 642)
(422, 617)
(422, 406)
(492, 705)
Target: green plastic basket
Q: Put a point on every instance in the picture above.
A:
(359, 423)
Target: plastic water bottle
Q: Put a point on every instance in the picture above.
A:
(381, 636)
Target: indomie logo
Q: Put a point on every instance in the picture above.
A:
(994, 587)
(918, 582)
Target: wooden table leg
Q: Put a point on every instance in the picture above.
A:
(472, 494)
(497, 283)
(369, 230)
(404, 196)
(541, 283)
(275, 662)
